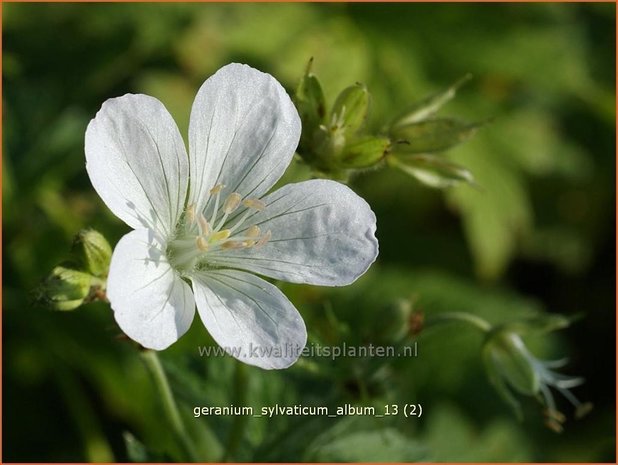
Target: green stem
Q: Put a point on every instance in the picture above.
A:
(239, 422)
(473, 320)
(169, 404)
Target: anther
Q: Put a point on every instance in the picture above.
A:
(553, 425)
(555, 415)
(191, 213)
(253, 231)
(220, 235)
(232, 245)
(256, 204)
(201, 243)
(263, 240)
(231, 203)
(204, 225)
(216, 189)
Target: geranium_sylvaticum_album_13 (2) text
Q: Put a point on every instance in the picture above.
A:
(205, 225)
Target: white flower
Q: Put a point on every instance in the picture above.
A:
(203, 222)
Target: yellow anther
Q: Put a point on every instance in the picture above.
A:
(191, 213)
(256, 204)
(204, 225)
(554, 425)
(220, 235)
(201, 243)
(216, 189)
(253, 231)
(232, 202)
(555, 415)
(264, 239)
(232, 245)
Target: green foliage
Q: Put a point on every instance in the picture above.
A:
(536, 236)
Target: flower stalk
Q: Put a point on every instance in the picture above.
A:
(170, 408)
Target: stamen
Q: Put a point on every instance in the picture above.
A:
(554, 425)
(232, 245)
(555, 415)
(204, 225)
(201, 243)
(191, 213)
(263, 240)
(583, 410)
(231, 203)
(256, 204)
(216, 189)
(253, 231)
(220, 235)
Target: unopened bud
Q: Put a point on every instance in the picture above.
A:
(393, 324)
(350, 109)
(93, 250)
(309, 101)
(65, 288)
(507, 352)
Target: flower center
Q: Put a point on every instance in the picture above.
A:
(198, 238)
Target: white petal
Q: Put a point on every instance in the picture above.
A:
(243, 132)
(137, 162)
(151, 304)
(322, 233)
(250, 318)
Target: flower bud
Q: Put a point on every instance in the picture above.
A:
(65, 288)
(93, 250)
(507, 353)
(434, 135)
(393, 324)
(513, 369)
(365, 152)
(350, 109)
(431, 170)
(309, 101)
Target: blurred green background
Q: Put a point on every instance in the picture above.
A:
(537, 237)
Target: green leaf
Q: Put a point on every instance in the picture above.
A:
(451, 436)
(351, 441)
(495, 218)
(433, 171)
(434, 135)
(428, 106)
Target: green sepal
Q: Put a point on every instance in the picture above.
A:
(538, 324)
(431, 170)
(365, 151)
(427, 107)
(433, 135)
(499, 384)
(512, 361)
